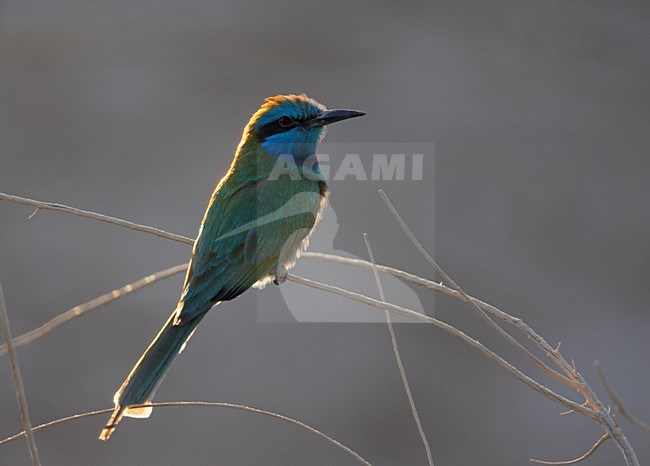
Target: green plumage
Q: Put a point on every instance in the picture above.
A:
(258, 220)
(252, 225)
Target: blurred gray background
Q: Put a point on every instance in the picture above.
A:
(539, 112)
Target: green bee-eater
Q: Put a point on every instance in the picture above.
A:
(258, 220)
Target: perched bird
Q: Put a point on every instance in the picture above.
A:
(258, 220)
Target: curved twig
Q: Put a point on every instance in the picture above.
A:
(452, 331)
(600, 441)
(212, 404)
(468, 300)
(76, 311)
(576, 381)
(40, 205)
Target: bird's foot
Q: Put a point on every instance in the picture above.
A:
(281, 276)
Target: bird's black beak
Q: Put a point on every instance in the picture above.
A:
(332, 116)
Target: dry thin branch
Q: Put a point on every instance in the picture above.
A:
(306, 254)
(467, 299)
(603, 417)
(600, 441)
(617, 402)
(452, 331)
(76, 311)
(415, 279)
(516, 322)
(18, 382)
(553, 353)
(40, 205)
(210, 404)
(598, 413)
(398, 358)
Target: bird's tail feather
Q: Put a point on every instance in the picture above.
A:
(140, 386)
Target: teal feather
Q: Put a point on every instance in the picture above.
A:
(253, 230)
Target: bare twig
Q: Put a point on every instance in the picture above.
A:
(577, 381)
(307, 254)
(452, 331)
(467, 299)
(18, 382)
(76, 311)
(40, 205)
(600, 441)
(39, 332)
(242, 407)
(417, 280)
(400, 365)
(596, 410)
(552, 352)
(617, 402)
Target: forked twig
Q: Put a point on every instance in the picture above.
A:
(211, 404)
(592, 404)
(600, 441)
(76, 311)
(398, 358)
(18, 382)
(617, 402)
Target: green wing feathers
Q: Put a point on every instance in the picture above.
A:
(250, 233)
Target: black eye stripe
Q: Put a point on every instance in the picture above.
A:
(274, 127)
(270, 129)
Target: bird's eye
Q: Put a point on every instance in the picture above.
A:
(285, 121)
